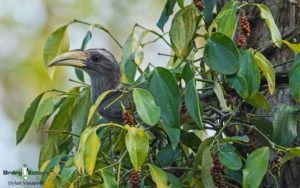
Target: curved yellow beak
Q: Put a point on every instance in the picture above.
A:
(73, 58)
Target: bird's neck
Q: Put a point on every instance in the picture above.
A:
(100, 84)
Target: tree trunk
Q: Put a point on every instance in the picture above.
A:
(287, 16)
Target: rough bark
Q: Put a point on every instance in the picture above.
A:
(287, 16)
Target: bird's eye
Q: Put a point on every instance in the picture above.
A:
(95, 58)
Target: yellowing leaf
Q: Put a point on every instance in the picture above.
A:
(267, 69)
(266, 14)
(159, 177)
(137, 144)
(51, 179)
(294, 47)
(86, 156)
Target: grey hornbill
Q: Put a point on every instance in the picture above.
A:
(105, 74)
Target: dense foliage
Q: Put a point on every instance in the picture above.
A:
(196, 126)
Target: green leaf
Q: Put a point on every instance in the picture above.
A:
(266, 14)
(63, 119)
(294, 81)
(188, 73)
(198, 159)
(250, 71)
(243, 138)
(267, 69)
(88, 36)
(182, 31)
(163, 87)
(285, 124)
(56, 44)
(81, 111)
(166, 13)
(146, 107)
(137, 144)
(205, 169)
(208, 11)
(193, 104)
(109, 180)
(132, 56)
(239, 83)
(180, 3)
(173, 134)
(159, 176)
(227, 21)
(28, 118)
(229, 157)
(294, 151)
(166, 156)
(174, 181)
(45, 110)
(48, 151)
(85, 157)
(221, 54)
(258, 100)
(256, 167)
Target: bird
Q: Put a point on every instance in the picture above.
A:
(105, 74)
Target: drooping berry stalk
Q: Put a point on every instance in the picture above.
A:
(128, 118)
(217, 172)
(199, 4)
(244, 32)
(134, 180)
(276, 163)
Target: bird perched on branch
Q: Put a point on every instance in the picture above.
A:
(105, 74)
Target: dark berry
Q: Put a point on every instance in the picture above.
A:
(217, 173)
(199, 4)
(183, 108)
(134, 180)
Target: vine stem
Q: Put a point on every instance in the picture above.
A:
(153, 32)
(101, 28)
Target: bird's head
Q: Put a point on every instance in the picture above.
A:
(96, 62)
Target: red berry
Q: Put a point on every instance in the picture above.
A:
(134, 180)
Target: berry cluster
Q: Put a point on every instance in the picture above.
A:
(276, 164)
(128, 116)
(199, 4)
(183, 108)
(217, 173)
(244, 32)
(134, 180)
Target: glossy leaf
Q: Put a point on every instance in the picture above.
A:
(294, 81)
(221, 54)
(137, 144)
(163, 87)
(56, 44)
(109, 180)
(182, 31)
(81, 111)
(51, 179)
(159, 176)
(146, 107)
(166, 156)
(266, 14)
(166, 13)
(28, 118)
(229, 157)
(258, 100)
(208, 11)
(85, 158)
(188, 73)
(239, 83)
(192, 103)
(173, 134)
(174, 181)
(255, 167)
(267, 69)
(44, 111)
(285, 124)
(227, 19)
